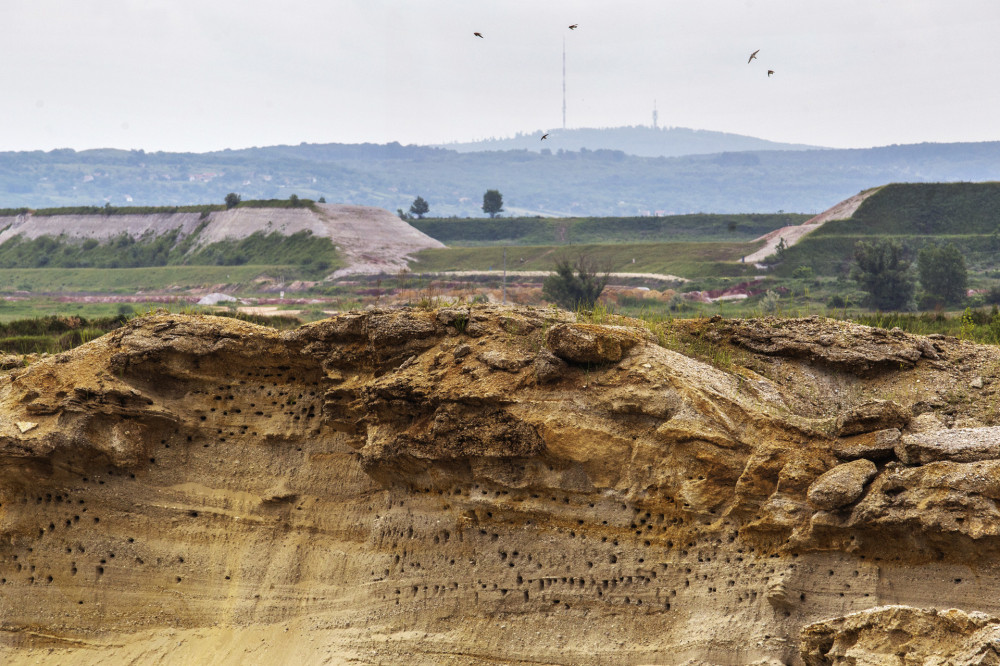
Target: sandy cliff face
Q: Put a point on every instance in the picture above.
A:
(497, 486)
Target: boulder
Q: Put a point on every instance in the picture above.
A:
(871, 416)
(548, 366)
(957, 445)
(590, 343)
(841, 485)
(877, 446)
(500, 360)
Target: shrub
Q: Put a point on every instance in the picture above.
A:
(943, 275)
(882, 271)
(803, 272)
(575, 286)
(769, 302)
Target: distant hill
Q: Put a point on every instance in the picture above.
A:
(635, 140)
(966, 214)
(586, 182)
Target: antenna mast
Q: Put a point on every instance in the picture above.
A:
(564, 83)
(654, 114)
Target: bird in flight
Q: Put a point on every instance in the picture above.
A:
(479, 35)
(574, 26)
(753, 56)
(770, 72)
(544, 136)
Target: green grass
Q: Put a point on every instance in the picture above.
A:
(830, 253)
(315, 255)
(591, 230)
(915, 214)
(130, 280)
(56, 333)
(690, 260)
(926, 208)
(36, 307)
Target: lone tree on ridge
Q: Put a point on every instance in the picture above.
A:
(232, 199)
(419, 207)
(492, 202)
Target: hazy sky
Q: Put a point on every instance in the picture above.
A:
(200, 75)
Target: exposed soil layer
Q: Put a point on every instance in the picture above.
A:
(495, 485)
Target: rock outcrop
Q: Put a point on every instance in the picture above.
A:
(903, 635)
(496, 485)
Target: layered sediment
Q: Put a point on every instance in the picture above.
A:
(497, 485)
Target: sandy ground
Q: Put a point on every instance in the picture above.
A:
(793, 234)
(268, 311)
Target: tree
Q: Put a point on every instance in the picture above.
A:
(232, 199)
(576, 286)
(295, 201)
(883, 272)
(943, 276)
(781, 249)
(492, 202)
(419, 207)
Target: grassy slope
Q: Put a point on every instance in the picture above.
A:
(683, 259)
(561, 231)
(128, 280)
(961, 213)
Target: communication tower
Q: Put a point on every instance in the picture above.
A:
(564, 83)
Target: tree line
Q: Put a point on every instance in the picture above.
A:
(884, 270)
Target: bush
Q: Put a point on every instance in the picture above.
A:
(575, 286)
(769, 302)
(836, 301)
(882, 271)
(943, 275)
(803, 272)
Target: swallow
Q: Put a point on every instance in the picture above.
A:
(479, 35)
(770, 72)
(574, 26)
(753, 56)
(544, 136)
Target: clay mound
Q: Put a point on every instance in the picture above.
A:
(99, 227)
(372, 240)
(491, 485)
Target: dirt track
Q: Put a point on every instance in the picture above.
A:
(794, 233)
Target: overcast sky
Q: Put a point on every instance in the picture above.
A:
(198, 75)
